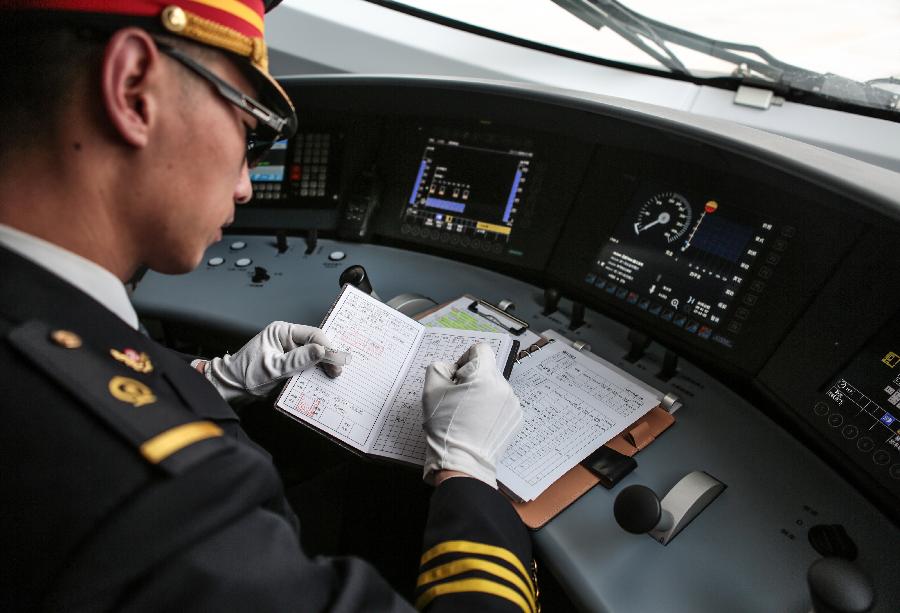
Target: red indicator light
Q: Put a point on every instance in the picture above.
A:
(711, 206)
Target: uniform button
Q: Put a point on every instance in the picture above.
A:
(241, 263)
(865, 444)
(337, 256)
(217, 261)
(238, 245)
(66, 339)
(894, 471)
(835, 420)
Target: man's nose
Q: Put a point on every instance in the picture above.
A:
(243, 191)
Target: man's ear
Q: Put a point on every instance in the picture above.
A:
(130, 74)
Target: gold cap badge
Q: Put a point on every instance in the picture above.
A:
(131, 391)
(139, 362)
(65, 338)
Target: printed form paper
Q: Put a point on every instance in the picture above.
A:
(376, 404)
(571, 405)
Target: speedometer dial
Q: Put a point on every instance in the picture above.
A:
(664, 218)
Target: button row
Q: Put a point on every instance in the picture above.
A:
(850, 432)
(218, 261)
(654, 308)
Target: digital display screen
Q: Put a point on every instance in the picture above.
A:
(684, 257)
(271, 168)
(467, 189)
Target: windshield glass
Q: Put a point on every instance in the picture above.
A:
(804, 38)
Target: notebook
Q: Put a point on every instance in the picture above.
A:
(375, 406)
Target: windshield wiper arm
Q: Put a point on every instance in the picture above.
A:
(630, 25)
(627, 24)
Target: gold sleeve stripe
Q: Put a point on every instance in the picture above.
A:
(479, 548)
(469, 564)
(163, 445)
(473, 585)
(238, 9)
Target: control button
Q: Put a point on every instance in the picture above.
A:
(764, 272)
(217, 261)
(750, 299)
(773, 258)
(865, 444)
(788, 231)
(835, 420)
(881, 457)
(238, 245)
(779, 245)
(850, 432)
(742, 313)
(241, 263)
(679, 320)
(820, 409)
(757, 286)
(734, 326)
(894, 471)
(336, 256)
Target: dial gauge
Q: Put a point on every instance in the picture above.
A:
(665, 217)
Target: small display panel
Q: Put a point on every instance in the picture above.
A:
(686, 257)
(271, 168)
(468, 190)
(860, 409)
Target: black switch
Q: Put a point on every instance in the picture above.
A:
(260, 274)
(639, 343)
(669, 366)
(281, 241)
(832, 540)
(551, 300)
(577, 315)
(356, 276)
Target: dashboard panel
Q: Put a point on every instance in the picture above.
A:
(764, 265)
(698, 254)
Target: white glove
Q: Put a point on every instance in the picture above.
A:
(470, 413)
(280, 351)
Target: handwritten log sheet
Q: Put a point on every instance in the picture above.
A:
(571, 405)
(376, 404)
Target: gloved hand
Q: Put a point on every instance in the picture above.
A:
(280, 351)
(470, 414)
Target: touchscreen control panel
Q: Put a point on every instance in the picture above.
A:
(859, 409)
(691, 258)
(467, 192)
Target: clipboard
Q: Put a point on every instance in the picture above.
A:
(579, 480)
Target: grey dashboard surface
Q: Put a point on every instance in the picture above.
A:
(747, 551)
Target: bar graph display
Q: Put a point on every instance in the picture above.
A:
(466, 189)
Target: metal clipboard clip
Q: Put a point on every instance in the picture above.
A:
(499, 317)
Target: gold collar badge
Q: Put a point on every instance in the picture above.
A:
(139, 362)
(131, 391)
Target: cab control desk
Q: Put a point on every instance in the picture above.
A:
(748, 551)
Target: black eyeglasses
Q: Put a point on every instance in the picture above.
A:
(269, 125)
